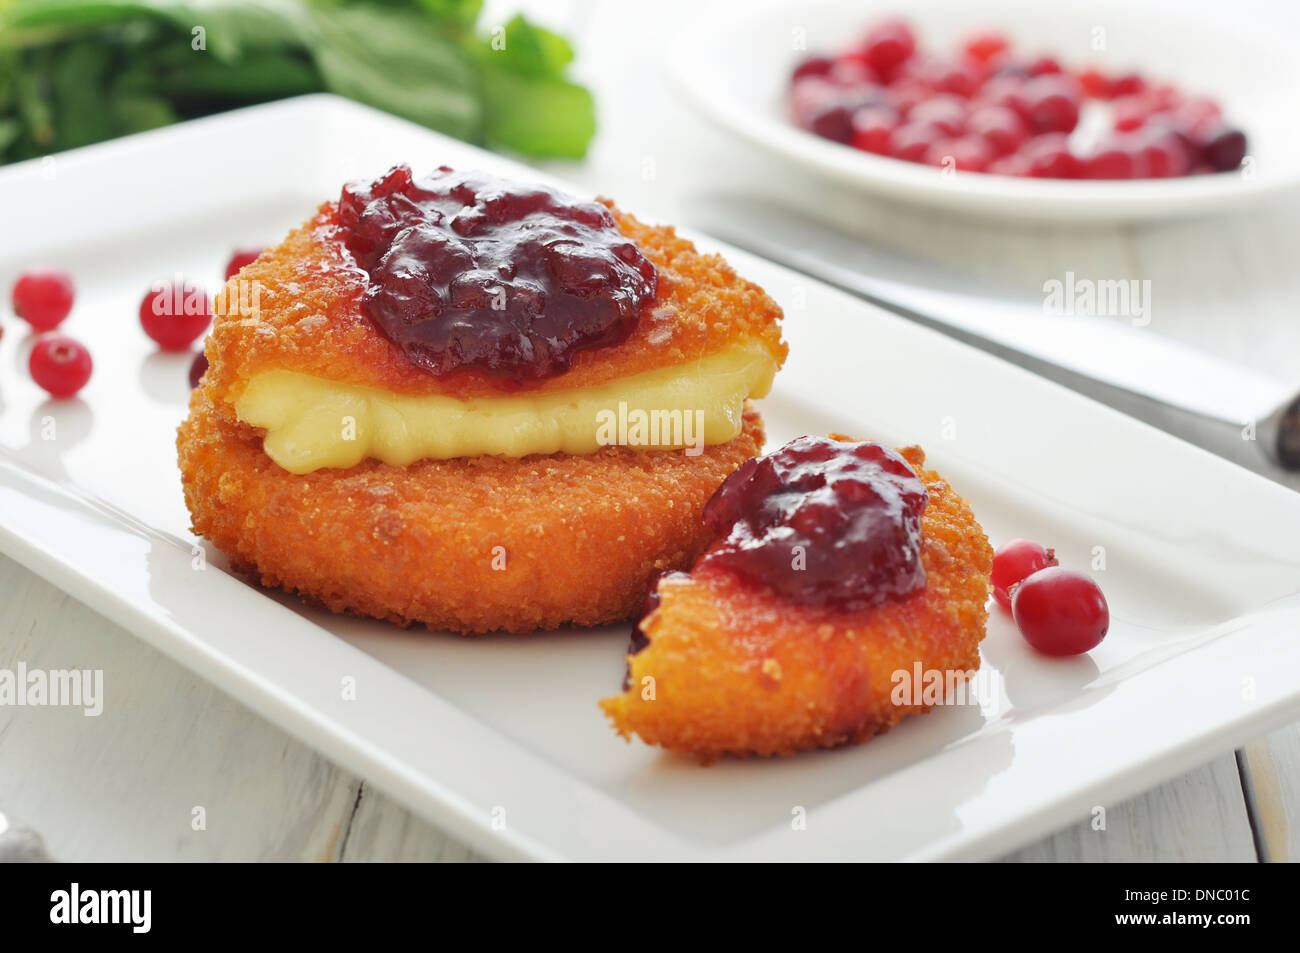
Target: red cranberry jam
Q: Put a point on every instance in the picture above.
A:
(471, 271)
(823, 522)
(639, 639)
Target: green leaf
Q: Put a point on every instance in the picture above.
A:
(462, 13)
(268, 76)
(531, 50)
(546, 118)
(398, 62)
(235, 29)
(530, 107)
(33, 105)
(225, 28)
(10, 131)
(139, 113)
(79, 88)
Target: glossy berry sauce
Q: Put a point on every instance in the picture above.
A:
(472, 271)
(639, 639)
(822, 522)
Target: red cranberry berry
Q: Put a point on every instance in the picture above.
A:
(1001, 127)
(873, 129)
(1095, 83)
(955, 78)
(812, 66)
(1223, 148)
(912, 140)
(1043, 66)
(175, 315)
(1163, 154)
(241, 257)
(60, 364)
(920, 68)
(906, 94)
(984, 47)
(1052, 103)
(851, 72)
(810, 97)
(834, 123)
(1127, 84)
(945, 111)
(1114, 159)
(43, 297)
(1013, 562)
(1007, 92)
(826, 110)
(1131, 112)
(887, 45)
(1060, 611)
(1049, 157)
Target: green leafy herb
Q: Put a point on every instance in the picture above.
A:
(74, 72)
(529, 105)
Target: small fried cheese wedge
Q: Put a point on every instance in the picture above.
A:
(731, 668)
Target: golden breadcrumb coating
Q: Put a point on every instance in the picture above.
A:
(736, 669)
(470, 545)
(308, 318)
(473, 544)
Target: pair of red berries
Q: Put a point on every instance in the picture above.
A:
(59, 364)
(1058, 611)
(174, 315)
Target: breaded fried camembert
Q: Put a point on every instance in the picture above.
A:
(478, 405)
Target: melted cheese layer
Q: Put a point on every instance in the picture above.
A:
(313, 423)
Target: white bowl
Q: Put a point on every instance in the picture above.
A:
(734, 64)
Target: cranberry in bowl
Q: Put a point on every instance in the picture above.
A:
(1007, 110)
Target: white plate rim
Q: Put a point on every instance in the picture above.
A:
(313, 714)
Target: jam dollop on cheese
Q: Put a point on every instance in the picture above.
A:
(468, 270)
(822, 522)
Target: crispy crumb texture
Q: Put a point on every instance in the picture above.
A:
(734, 669)
(307, 316)
(471, 545)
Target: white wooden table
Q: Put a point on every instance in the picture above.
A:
(125, 785)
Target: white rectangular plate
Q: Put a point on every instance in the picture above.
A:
(499, 739)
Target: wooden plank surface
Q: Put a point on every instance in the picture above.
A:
(1201, 816)
(1271, 771)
